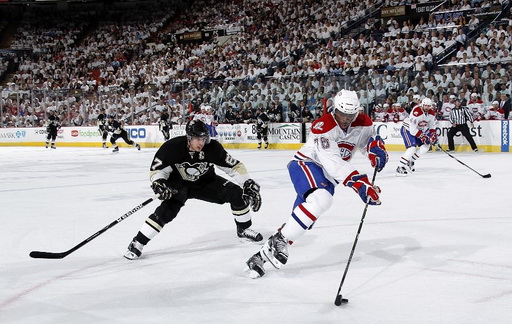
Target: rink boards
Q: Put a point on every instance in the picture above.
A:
(490, 136)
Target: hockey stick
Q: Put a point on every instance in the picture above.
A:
(488, 175)
(60, 255)
(339, 298)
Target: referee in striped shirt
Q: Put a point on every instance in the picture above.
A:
(459, 116)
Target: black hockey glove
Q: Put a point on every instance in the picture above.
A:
(252, 194)
(163, 191)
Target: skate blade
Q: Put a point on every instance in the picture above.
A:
(401, 174)
(251, 274)
(249, 241)
(267, 255)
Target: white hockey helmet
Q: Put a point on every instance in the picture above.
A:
(426, 103)
(346, 102)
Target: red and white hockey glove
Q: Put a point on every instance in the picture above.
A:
(432, 136)
(429, 137)
(361, 185)
(377, 153)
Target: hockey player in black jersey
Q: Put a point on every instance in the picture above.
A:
(52, 126)
(103, 127)
(118, 131)
(182, 169)
(164, 125)
(262, 121)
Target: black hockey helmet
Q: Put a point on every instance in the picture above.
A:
(197, 128)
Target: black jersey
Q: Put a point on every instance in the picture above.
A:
(116, 127)
(102, 122)
(53, 122)
(164, 120)
(164, 117)
(262, 120)
(174, 161)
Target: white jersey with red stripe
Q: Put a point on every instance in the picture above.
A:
(420, 122)
(205, 118)
(332, 148)
(477, 108)
(495, 114)
(446, 108)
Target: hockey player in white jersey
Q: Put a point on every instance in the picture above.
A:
(418, 132)
(207, 116)
(476, 106)
(494, 112)
(448, 106)
(321, 164)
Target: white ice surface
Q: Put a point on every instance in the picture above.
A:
(438, 250)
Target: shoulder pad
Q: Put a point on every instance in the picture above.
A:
(362, 120)
(417, 111)
(323, 124)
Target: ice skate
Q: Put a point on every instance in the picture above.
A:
(105, 145)
(259, 146)
(410, 165)
(137, 146)
(134, 250)
(266, 145)
(255, 266)
(275, 250)
(116, 149)
(53, 147)
(401, 171)
(249, 235)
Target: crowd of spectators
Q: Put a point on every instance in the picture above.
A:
(286, 57)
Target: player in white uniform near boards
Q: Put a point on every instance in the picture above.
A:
(418, 132)
(322, 163)
(208, 118)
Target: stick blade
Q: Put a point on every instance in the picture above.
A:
(487, 175)
(340, 300)
(47, 255)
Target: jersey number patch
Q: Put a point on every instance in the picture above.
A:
(156, 165)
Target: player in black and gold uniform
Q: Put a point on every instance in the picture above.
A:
(52, 126)
(118, 131)
(182, 169)
(103, 127)
(164, 124)
(262, 121)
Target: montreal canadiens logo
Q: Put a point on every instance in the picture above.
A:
(319, 126)
(346, 150)
(74, 133)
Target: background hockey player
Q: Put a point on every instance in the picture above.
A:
(103, 127)
(164, 124)
(494, 112)
(418, 132)
(118, 131)
(476, 106)
(182, 169)
(321, 164)
(207, 116)
(448, 106)
(262, 121)
(52, 126)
